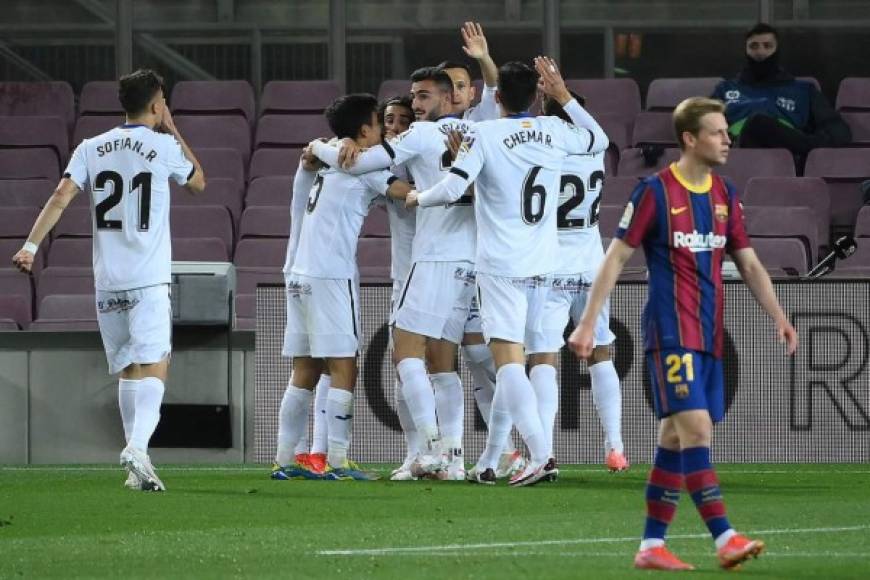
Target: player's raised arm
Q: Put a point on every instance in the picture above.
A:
(553, 85)
(196, 182)
(755, 276)
(477, 48)
(64, 193)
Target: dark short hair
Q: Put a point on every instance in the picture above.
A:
(517, 86)
(434, 74)
(136, 90)
(346, 115)
(455, 64)
(762, 28)
(397, 101)
(554, 109)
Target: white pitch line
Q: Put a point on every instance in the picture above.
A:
(575, 541)
(567, 469)
(629, 553)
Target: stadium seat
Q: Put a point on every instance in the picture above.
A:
(40, 99)
(203, 221)
(862, 223)
(294, 97)
(275, 190)
(26, 192)
(635, 268)
(376, 223)
(608, 219)
(784, 222)
(744, 164)
(393, 88)
(617, 129)
(632, 164)
(64, 280)
(854, 94)
(100, 98)
(859, 123)
(620, 96)
(16, 222)
(37, 163)
(858, 264)
(48, 132)
(290, 130)
(373, 258)
(617, 190)
(228, 131)
(58, 312)
(92, 125)
(76, 222)
(265, 222)
(810, 192)
(16, 297)
(654, 128)
(247, 279)
(787, 254)
(665, 94)
(611, 161)
(218, 191)
(214, 98)
(71, 253)
(261, 253)
(221, 163)
(269, 162)
(199, 250)
(843, 170)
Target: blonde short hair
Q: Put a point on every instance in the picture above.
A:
(687, 115)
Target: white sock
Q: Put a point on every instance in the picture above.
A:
(419, 397)
(302, 445)
(651, 543)
(339, 413)
(500, 424)
(319, 444)
(480, 364)
(543, 379)
(412, 436)
(524, 409)
(149, 395)
(608, 402)
(723, 538)
(450, 408)
(292, 420)
(127, 404)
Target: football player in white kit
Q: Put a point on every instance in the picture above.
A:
(127, 170)
(515, 163)
(435, 301)
(323, 299)
(581, 254)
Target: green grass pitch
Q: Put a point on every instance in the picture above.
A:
(229, 521)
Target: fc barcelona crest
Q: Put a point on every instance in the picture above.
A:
(721, 212)
(681, 391)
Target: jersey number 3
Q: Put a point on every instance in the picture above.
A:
(141, 180)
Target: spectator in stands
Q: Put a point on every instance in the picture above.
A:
(767, 107)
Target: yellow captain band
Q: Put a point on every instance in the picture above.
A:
(693, 187)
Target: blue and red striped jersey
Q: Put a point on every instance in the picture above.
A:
(685, 231)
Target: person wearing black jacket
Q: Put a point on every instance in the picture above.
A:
(767, 107)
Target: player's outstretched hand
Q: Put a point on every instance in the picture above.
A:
(551, 83)
(411, 198)
(788, 335)
(348, 153)
(23, 260)
(580, 342)
(453, 142)
(475, 41)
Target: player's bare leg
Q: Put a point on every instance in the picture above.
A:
(607, 398)
(293, 417)
(542, 375)
(449, 403)
(140, 395)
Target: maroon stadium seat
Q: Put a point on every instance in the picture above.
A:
(810, 192)
(373, 258)
(199, 250)
(784, 222)
(862, 223)
(290, 130)
(100, 98)
(611, 161)
(48, 132)
(665, 94)
(37, 163)
(71, 253)
(268, 162)
(283, 97)
(859, 123)
(214, 98)
(854, 94)
(221, 163)
(76, 222)
(228, 131)
(92, 125)
(247, 279)
(635, 268)
(843, 170)
(276, 190)
(64, 280)
(42, 99)
(858, 264)
(788, 254)
(26, 192)
(746, 163)
(202, 221)
(16, 222)
(16, 297)
(261, 253)
(376, 223)
(617, 129)
(59, 312)
(617, 190)
(218, 191)
(620, 96)
(394, 88)
(608, 219)
(631, 162)
(265, 222)
(654, 128)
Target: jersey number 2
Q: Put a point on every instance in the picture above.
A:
(142, 180)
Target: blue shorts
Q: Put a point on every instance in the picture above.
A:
(686, 380)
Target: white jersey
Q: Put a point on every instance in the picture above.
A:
(486, 110)
(337, 205)
(580, 248)
(302, 183)
(516, 164)
(127, 171)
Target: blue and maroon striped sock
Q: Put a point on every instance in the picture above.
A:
(703, 485)
(662, 494)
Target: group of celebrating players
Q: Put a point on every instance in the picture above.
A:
(495, 246)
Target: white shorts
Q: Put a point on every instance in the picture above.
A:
(322, 317)
(436, 299)
(136, 325)
(398, 286)
(511, 308)
(474, 324)
(566, 301)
